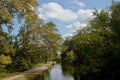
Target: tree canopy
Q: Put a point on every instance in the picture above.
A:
(96, 48)
(35, 42)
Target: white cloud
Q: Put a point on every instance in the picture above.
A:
(76, 26)
(81, 4)
(56, 11)
(68, 35)
(83, 17)
(78, 19)
(43, 16)
(53, 10)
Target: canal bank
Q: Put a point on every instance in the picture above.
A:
(53, 73)
(48, 72)
(42, 68)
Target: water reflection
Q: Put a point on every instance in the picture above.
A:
(73, 70)
(57, 74)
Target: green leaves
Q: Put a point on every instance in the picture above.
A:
(5, 16)
(36, 41)
(5, 59)
(97, 46)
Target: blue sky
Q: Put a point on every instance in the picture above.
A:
(70, 15)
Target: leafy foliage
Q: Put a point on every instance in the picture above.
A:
(35, 42)
(96, 47)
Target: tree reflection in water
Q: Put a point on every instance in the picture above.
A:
(73, 70)
(55, 73)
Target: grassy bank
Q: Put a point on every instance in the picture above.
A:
(6, 75)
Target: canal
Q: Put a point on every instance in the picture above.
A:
(54, 73)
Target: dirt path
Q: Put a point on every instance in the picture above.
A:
(39, 69)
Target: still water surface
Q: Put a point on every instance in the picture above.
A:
(55, 73)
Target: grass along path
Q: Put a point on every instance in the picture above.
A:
(39, 69)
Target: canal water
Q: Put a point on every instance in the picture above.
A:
(55, 73)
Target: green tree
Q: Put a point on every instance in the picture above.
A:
(9, 9)
(36, 41)
(93, 47)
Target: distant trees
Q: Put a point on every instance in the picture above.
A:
(96, 48)
(35, 42)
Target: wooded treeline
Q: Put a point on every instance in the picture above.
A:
(96, 48)
(33, 43)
